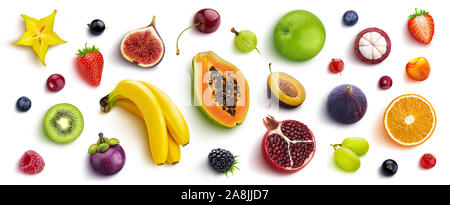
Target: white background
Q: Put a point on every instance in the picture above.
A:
(22, 75)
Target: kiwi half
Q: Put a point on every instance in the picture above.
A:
(63, 123)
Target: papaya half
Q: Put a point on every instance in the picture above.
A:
(220, 89)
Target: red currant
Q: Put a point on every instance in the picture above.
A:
(385, 82)
(56, 82)
(336, 65)
(428, 161)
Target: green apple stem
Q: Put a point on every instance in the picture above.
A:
(195, 25)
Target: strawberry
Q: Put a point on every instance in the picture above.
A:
(421, 26)
(89, 63)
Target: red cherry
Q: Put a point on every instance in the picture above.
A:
(428, 161)
(209, 20)
(336, 65)
(56, 82)
(385, 82)
(206, 21)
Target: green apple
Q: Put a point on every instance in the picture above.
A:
(299, 35)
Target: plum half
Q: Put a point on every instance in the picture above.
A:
(285, 89)
(372, 45)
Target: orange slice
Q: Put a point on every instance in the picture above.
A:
(410, 120)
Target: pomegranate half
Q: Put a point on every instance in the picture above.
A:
(372, 45)
(287, 146)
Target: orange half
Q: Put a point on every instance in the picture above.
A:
(410, 120)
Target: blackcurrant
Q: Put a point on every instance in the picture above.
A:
(389, 167)
(96, 27)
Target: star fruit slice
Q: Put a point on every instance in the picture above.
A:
(40, 35)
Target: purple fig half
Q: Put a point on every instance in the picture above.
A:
(143, 46)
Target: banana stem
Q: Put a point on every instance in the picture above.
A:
(195, 25)
(107, 102)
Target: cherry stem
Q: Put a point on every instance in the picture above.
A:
(101, 137)
(195, 25)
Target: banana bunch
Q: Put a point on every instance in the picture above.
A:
(166, 127)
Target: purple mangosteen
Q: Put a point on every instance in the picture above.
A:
(107, 156)
(347, 104)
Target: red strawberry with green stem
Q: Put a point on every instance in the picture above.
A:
(421, 26)
(89, 63)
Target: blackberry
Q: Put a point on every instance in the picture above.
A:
(222, 161)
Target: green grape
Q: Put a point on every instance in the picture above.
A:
(245, 41)
(358, 145)
(346, 159)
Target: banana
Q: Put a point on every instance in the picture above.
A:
(151, 111)
(175, 121)
(129, 106)
(174, 153)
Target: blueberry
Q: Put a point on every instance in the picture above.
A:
(96, 27)
(23, 104)
(350, 18)
(389, 167)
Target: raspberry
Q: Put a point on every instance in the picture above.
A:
(31, 163)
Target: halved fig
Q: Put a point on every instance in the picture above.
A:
(286, 89)
(143, 46)
(372, 45)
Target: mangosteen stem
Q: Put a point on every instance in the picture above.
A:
(101, 137)
(195, 25)
(233, 30)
